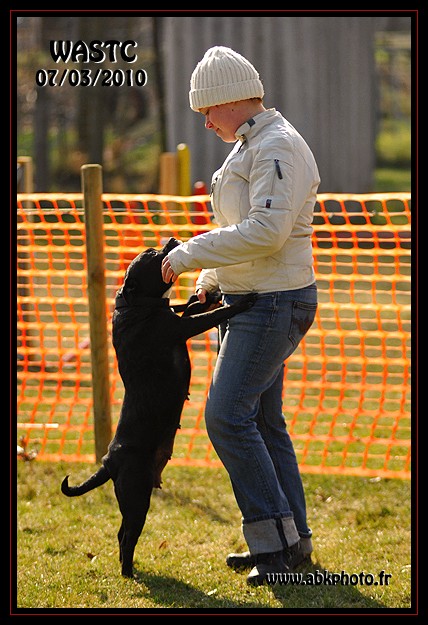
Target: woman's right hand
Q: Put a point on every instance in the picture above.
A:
(202, 295)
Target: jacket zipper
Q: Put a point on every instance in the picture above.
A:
(276, 171)
(278, 168)
(213, 185)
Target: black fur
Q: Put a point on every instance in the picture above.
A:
(150, 343)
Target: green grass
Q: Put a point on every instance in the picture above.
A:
(67, 552)
(393, 143)
(389, 180)
(393, 152)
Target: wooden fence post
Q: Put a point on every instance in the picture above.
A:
(25, 183)
(183, 167)
(168, 183)
(92, 199)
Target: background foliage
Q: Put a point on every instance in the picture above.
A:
(123, 128)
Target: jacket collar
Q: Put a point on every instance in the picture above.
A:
(253, 125)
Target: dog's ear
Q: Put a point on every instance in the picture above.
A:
(171, 243)
(129, 283)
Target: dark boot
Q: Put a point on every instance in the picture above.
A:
(277, 562)
(238, 561)
(246, 560)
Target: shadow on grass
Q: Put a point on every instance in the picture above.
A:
(316, 588)
(171, 593)
(322, 595)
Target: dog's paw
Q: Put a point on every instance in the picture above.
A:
(194, 307)
(213, 298)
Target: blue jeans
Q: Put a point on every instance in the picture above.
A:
(244, 417)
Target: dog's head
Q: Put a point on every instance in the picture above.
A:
(143, 277)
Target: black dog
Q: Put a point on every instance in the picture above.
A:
(150, 343)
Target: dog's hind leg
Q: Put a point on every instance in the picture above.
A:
(133, 492)
(131, 534)
(132, 524)
(120, 537)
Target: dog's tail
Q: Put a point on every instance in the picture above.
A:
(100, 477)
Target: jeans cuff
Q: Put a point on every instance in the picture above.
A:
(306, 545)
(264, 537)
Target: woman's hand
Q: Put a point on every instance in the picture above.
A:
(168, 274)
(202, 295)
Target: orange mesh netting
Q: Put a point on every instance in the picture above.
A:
(347, 387)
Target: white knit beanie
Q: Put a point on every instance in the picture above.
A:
(223, 75)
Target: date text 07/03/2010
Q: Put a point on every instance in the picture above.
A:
(96, 51)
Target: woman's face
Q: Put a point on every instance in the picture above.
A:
(223, 119)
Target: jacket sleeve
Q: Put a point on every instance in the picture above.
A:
(277, 190)
(207, 280)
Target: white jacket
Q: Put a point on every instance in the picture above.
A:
(263, 199)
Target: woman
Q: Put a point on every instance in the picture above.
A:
(263, 198)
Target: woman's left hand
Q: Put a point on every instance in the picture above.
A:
(168, 274)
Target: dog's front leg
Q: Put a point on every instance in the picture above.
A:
(196, 324)
(193, 306)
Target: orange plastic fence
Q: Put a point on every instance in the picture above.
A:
(347, 388)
